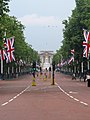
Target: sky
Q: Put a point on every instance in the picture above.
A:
(43, 21)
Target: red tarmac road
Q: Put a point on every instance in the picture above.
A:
(66, 100)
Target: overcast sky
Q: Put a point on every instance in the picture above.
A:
(43, 21)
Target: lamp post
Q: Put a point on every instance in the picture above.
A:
(88, 60)
(53, 69)
(34, 70)
(1, 68)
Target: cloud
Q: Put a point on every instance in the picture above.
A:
(35, 20)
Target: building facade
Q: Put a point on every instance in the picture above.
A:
(46, 59)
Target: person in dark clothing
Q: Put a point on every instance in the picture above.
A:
(84, 77)
(73, 76)
(88, 78)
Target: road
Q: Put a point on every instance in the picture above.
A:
(66, 100)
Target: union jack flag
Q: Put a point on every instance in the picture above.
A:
(10, 49)
(72, 52)
(71, 60)
(86, 43)
(3, 55)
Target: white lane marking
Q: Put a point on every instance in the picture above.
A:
(73, 92)
(10, 100)
(76, 99)
(71, 96)
(15, 96)
(83, 103)
(5, 103)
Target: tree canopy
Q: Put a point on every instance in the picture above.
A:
(73, 30)
(13, 27)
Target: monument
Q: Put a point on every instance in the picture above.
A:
(46, 59)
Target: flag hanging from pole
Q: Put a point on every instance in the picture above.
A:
(4, 55)
(71, 60)
(86, 43)
(72, 52)
(8, 51)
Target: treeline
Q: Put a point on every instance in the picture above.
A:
(23, 51)
(73, 34)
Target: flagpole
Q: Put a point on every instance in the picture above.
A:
(88, 59)
(88, 64)
(2, 62)
(1, 68)
(82, 67)
(74, 69)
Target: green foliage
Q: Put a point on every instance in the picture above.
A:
(73, 30)
(57, 57)
(4, 8)
(13, 27)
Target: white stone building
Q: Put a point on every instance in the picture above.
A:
(46, 59)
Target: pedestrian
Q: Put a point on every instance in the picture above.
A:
(45, 74)
(73, 76)
(88, 78)
(41, 73)
(81, 76)
(49, 72)
(84, 77)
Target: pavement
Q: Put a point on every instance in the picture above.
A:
(66, 100)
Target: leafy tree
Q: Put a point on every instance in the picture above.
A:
(4, 8)
(13, 27)
(73, 30)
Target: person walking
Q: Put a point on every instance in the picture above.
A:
(88, 78)
(73, 76)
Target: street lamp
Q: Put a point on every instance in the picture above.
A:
(53, 69)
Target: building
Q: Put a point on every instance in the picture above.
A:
(46, 59)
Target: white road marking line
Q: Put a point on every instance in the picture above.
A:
(5, 103)
(83, 103)
(71, 96)
(15, 96)
(76, 99)
(11, 100)
(68, 94)
(73, 92)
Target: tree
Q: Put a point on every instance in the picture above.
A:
(73, 30)
(4, 8)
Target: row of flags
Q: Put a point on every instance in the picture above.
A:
(69, 61)
(7, 53)
(86, 50)
(8, 50)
